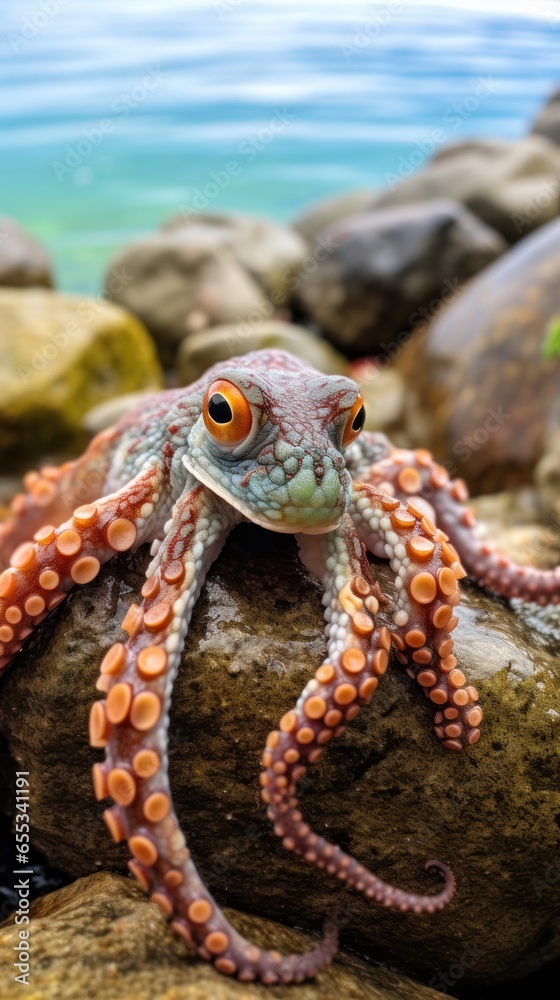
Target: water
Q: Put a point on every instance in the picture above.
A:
(350, 88)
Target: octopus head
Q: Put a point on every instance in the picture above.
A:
(271, 444)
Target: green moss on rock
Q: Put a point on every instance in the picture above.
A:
(61, 355)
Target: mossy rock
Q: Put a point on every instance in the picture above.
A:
(60, 355)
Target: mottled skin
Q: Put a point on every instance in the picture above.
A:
(167, 475)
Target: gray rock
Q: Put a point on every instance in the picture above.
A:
(201, 350)
(324, 213)
(387, 790)
(390, 268)
(547, 122)
(23, 261)
(190, 276)
(268, 250)
(178, 286)
(102, 937)
(513, 186)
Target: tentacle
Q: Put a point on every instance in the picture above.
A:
(407, 474)
(52, 494)
(42, 571)
(426, 572)
(357, 657)
(132, 723)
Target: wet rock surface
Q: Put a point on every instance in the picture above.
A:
(480, 392)
(383, 272)
(510, 185)
(386, 791)
(60, 355)
(23, 261)
(102, 937)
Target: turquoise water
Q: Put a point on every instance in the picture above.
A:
(115, 115)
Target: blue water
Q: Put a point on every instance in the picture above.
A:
(350, 88)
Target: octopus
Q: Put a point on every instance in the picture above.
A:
(262, 438)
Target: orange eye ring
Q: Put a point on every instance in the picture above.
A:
(226, 413)
(354, 423)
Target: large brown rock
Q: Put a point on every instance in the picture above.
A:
(380, 274)
(480, 392)
(207, 271)
(23, 261)
(512, 185)
(387, 791)
(102, 937)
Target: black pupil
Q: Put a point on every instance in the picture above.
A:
(219, 409)
(358, 421)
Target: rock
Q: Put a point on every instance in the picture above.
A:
(102, 937)
(324, 213)
(200, 350)
(547, 122)
(511, 509)
(179, 286)
(110, 412)
(390, 268)
(384, 394)
(479, 390)
(547, 475)
(268, 250)
(23, 261)
(513, 186)
(59, 356)
(516, 522)
(212, 270)
(387, 790)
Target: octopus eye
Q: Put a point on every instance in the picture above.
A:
(354, 423)
(226, 413)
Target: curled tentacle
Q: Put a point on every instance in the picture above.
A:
(406, 474)
(358, 654)
(42, 571)
(427, 572)
(132, 724)
(52, 494)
